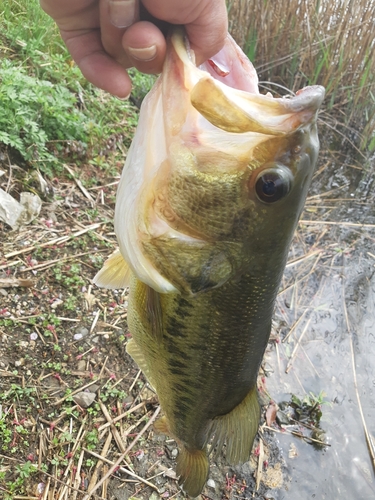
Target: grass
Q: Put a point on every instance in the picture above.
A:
(295, 43)
(51, 114)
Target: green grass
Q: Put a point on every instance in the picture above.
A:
(50, 113)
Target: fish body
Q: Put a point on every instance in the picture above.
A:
(210, 195)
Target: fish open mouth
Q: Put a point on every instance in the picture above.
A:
(225, 91)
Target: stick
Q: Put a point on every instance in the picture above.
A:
(120, 417)
(56, 241)
(80, 185)
(345, 224)
(123, 470)
(100, 462)
(121, 458)
(260, 463)
(289, 365)
(370, 444)
(59, 401)
(115, 432)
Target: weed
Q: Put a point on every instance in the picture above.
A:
(309, 408)
(295, 43)
(92, 439)
(35, 112)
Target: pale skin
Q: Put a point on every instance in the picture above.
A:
(107, 37)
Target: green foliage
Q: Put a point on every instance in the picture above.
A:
(35, 112)
(49, 111)
(309, 408)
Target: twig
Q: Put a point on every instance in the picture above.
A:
(295, 433)
(115, 432)
(100, 462)
(260, 463)
(56, 241)
(123, 470)
(80, 185)
(76, 481)
(370, 444)
(95, 320)
(120, 417)
(345, 224)
(289, 365)
(295, 325)
(59, 401)
(50, 263)
(121, 458)
(10, 282)
(134, 381)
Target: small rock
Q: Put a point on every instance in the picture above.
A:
(84, 399)
(94, 388)
(33, 336)
(80, 333)
(174, 453)
(81, 365)
(19, 362)
(23, 344)
(57, 303)
(211, 483)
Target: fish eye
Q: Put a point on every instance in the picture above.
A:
(272, 184)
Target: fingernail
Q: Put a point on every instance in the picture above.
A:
(144, 54)
(123, 98)
(123, 13)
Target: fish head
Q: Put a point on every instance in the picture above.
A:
(224, 176)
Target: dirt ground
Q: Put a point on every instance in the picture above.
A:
(72, 402)
(75, 411)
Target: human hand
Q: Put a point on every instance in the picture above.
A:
(106, 37)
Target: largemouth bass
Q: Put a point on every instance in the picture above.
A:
(210, 195)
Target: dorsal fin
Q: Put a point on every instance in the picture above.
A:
(115, 272)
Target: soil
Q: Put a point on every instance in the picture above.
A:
(72, 398)
(62, 347)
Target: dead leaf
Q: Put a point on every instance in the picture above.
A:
(271, 413)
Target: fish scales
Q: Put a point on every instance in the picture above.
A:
(210, 196)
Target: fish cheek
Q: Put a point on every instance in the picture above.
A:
(194, 266)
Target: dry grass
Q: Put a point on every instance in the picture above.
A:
(299, 42)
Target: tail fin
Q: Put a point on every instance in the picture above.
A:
(192, 467)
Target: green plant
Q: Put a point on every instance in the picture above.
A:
(309, 408)
(36, 113)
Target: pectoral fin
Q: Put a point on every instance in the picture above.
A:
(154, 312)
(133, 350)
(115, 272)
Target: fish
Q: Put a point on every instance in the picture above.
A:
(211, 192)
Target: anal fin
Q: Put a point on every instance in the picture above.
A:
(192, 467)
(237, 429)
